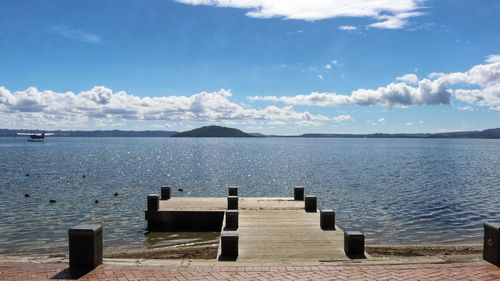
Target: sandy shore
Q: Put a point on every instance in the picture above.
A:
(210, 251)
(422, 250)
(177, 252)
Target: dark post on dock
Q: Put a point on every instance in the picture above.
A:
(232, 202)
(231, 220)
(165, 192)
(229, 245)
(310, 204)
(153, 202)
(491, 246)
(232, 191)
(327, 219)
(85, 246)
(354, 244)
(298, 193)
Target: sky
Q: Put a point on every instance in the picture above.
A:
(276, 67)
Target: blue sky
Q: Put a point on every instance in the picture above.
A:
(261, 66)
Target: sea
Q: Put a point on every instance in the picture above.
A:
(396, 191)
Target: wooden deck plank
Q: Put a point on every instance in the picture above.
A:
(293, 234)
(272, 229)
(220, 204)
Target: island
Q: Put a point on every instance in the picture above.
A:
(213, 131)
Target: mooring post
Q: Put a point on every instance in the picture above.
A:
(229, 245)
(491, 246)
(165, 192)
(327, 219)
(153, 202)
(232, 191)
(298, 193)
(232, 202)
(310, 204)
(354, 244)
(85, 246)
(231, 220)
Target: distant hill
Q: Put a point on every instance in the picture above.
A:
(485, 134)
(101, 133)
(214, 131)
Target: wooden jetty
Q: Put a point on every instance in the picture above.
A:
(269, 229)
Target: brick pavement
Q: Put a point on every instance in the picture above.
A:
(14, 271)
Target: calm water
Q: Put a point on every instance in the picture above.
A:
(395, 190)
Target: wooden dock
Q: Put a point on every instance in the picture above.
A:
(272, 229)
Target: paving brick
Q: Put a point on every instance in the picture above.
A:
(457, 271)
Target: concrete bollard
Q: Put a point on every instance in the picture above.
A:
(232, 191)
(229, 245)
(85, 246)
(298, 193)
(153, 202)
(491, 246)
(232, 202)
(231, 220)
(165, 192)
(354, 244)
(310, 204)
(327, 219)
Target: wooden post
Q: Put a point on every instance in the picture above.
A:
(229, 245)
(232, 202)
(327, 219)
(491, 246)
(165, 192)
(153, 202)
(231, 220)
(310, 204)
(298, 193)
(354, 244)
(85, 246)
(232, 191)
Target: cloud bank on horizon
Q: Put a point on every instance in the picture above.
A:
(388, 14)
(100, 104)
(479, 86)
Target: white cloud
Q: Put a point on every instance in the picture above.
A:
(342, 118)
(321, 77)
(395, 21)
(466, 108)
(409, 124)
(478, 86)
(381, 120)
(331, 64)
(388, 13)
(408, 79)
(493, 59)
(392, 95)
(348, 27)
(75, 34)
(36, 108)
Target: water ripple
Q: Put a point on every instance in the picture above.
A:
(394, 190)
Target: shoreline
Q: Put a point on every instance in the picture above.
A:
(208, 251)
(423, 250)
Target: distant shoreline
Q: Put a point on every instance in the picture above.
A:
(223, 132)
